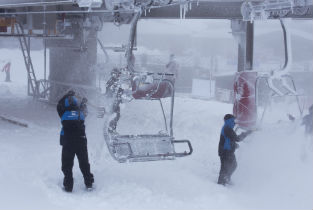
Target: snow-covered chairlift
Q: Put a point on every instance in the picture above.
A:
(279, 82)
(148, 147)
(249, 84)
(277, 87)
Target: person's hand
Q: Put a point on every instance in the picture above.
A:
(245, 134)
(248, 132)
(84, 100)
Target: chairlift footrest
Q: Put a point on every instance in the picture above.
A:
(141, 148)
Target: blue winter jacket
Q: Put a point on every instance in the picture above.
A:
(228, 138)
(72, 117)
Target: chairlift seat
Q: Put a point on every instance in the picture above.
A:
(148, 147)
(139, 148)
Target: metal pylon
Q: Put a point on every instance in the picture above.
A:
(25, 47)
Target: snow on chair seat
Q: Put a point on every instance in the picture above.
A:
(138, 148)
(143, 147)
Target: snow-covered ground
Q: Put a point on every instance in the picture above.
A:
(275, 163)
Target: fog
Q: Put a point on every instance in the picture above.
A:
(206, 48)
(200, 40)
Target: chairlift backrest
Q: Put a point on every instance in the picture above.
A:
(160, 86)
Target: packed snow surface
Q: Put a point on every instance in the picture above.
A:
(274, 171)
(274, 163)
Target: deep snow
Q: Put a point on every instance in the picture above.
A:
(274, 171)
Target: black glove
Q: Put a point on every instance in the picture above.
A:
(84, 100)
(290, 117)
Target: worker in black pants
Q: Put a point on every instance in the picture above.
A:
(226, 149)
(73, 139)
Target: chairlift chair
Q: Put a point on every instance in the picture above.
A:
(280, 82)
(148, 147)
(248, 85)
(145, 86)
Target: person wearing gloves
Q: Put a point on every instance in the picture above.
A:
(226, 149)
(73, 139)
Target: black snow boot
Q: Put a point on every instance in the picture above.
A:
(89, 180)
(68, 184)
(221, 180)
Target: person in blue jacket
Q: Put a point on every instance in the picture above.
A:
(73, 139)
(227, 147)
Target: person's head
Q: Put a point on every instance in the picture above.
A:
(229, 120)
(172, 56)
(71, 102)
(71, 93)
